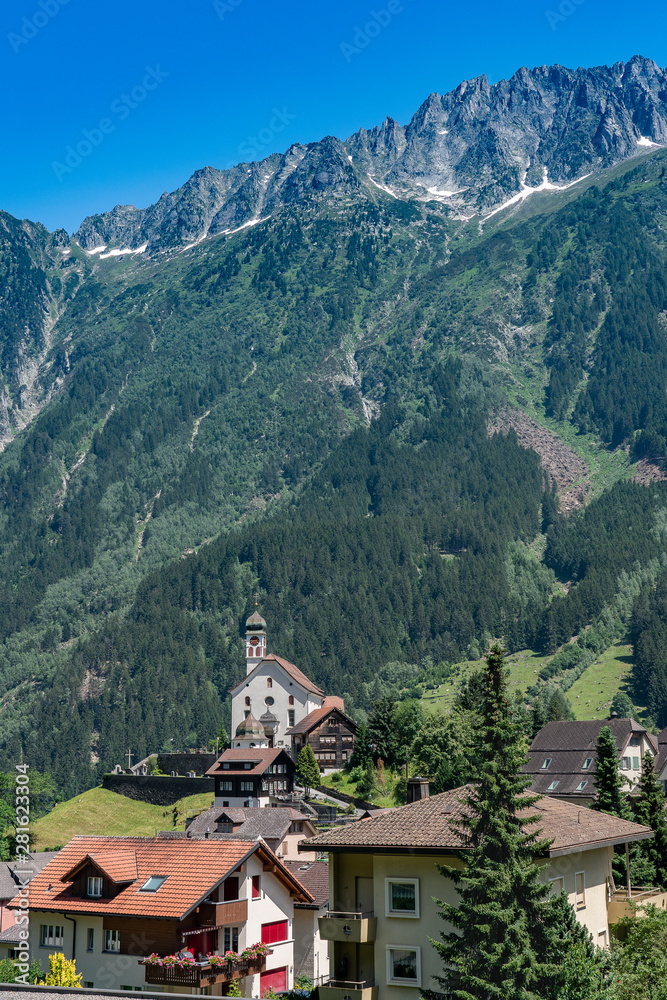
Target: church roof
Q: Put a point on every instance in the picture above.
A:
(255, 622)
(250, 726)
(289, 668)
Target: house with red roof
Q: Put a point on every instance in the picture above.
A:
(254, 775)
(142, 913)
(276, 696)
(329, 731)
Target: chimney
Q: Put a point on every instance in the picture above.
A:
(418, 789)
(613, 715)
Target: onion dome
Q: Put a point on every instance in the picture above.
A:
(268, 719)
(249, 727)
(255, 623)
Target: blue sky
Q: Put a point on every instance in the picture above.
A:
(150, 90)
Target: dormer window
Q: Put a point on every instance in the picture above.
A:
(94, 887)
(546, 763)
(153, 883)
(587, 763)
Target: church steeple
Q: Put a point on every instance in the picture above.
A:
(255, 639)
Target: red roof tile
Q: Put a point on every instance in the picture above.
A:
(192, 869)
(118, 866)
(290, 668)
(316, 716)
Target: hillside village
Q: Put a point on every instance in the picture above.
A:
(281, 885)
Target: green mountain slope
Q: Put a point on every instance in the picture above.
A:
(221, 397)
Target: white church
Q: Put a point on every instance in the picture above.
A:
(274, 693)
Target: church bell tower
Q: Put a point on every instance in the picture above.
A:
(255, 640)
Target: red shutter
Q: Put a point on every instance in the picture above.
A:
(276, 980)
(256, 893)
(272, 933)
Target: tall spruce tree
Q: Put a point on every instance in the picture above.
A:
(607, 777)
(497, 949)
(307, 769)
(652, 813)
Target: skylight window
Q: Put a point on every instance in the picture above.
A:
(546, 763)
(552, 786)
(581, 786)
(153, 883)
(587, 763)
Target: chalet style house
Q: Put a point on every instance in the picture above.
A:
(562, 757)
(279, 698)
(114, 902)
(253, 776)
(329, 732)
(384, 877)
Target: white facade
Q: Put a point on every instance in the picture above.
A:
(105, 969)
(270, 689)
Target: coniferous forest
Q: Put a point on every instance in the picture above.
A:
(307, 409)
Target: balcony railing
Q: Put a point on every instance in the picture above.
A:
(343, 989)
(202, 973)
(620, 904)
(358, 926)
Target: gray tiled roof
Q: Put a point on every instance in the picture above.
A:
(15, 873)
(271, 824)
(313, 876)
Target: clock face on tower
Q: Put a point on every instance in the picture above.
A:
(254, 641)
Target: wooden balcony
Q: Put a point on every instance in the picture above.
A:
(202, 974)
(340, 989)
(355, 927)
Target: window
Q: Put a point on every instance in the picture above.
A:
(401, 897)
(268, 700)
(602, 939)
(403, 966)
(290, 700)
(225, 828)
(634, 742)
(290, 717)
(231, 889)
(546, 763)
(226, 786)
(347, 739)
(246, 713)
(328, 740)
(587, 763)
(256, 887)
(556, 886)
(247, 701)
(231, 938)
(553, 786)
(625, 763)
(580, 889)
(51, 936)
(153, 883)
(580, 787)
(91, 939)
(274, 932)
(94, 886)
(112, 940)
(247, 786)
(635, 763)
(269, 682)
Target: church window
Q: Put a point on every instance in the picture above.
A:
(268, 700)
(247, 701)
(290, 700)
(290, 717)
(269, 682)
